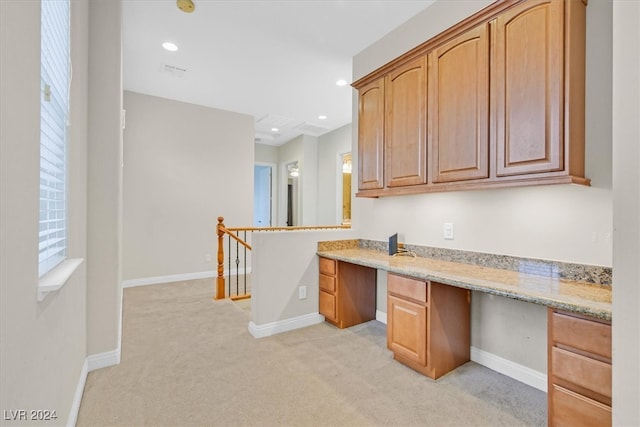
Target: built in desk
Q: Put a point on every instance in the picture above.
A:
(428, 319)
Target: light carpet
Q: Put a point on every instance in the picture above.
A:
(189, 361)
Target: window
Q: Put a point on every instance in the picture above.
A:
(54, 111)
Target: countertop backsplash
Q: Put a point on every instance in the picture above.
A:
(579, 272)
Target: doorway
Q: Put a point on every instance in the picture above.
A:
(262, 195)
(293, 212)
(345, 188)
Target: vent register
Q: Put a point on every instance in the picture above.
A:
(172, 70)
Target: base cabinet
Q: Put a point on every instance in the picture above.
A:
(347, 293)
(579, 364)
(428, 325)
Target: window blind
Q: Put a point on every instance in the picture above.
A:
(54, 111)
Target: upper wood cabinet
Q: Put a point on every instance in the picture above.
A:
(496, 100)
(527, 78)
(459, 107)
(371, 135)
(406, 124)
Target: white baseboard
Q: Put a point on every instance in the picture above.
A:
(506, 367)
(157, 280)
(91, 363)
(77, 397)
(167, 279)
(511, 369)
(103, 360)
(261, 331)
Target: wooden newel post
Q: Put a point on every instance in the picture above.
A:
(220, 282)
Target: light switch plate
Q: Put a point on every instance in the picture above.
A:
(447, 230)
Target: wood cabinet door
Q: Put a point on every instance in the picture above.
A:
(406, 124)
(527, 83)
(371, 136)
(407, 329)
(459, 107)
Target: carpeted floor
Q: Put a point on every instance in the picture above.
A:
(189, 361)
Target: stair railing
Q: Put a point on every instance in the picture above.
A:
(234, 234)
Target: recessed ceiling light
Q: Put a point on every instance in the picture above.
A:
(341, 82)
(274, 129)
(322, 117)
(171, 47)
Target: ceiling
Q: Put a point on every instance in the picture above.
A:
(275, 60)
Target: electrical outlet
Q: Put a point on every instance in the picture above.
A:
(447, 230)
(302, 292)
(207, 257)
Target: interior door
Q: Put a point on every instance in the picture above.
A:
(262, 196)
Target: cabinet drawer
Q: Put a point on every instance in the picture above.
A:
(328, 305)
(582, 334)
(573, 409)
(408, 288)
(589, 373)
(327, 283)
(328, 266)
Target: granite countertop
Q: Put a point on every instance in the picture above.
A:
(576, 296)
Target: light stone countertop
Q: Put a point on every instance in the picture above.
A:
(579, 297)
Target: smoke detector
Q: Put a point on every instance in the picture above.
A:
(186, 6)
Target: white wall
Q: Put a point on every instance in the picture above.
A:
(43, 344)
(549, 222)
(309, 181)
(434, 19)
(304, 150)
(184, 165)
(283, 261)
(319, 192)
(331, 146)
(266, 153)
(626, 213)
(104, 202)
(292, 151)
